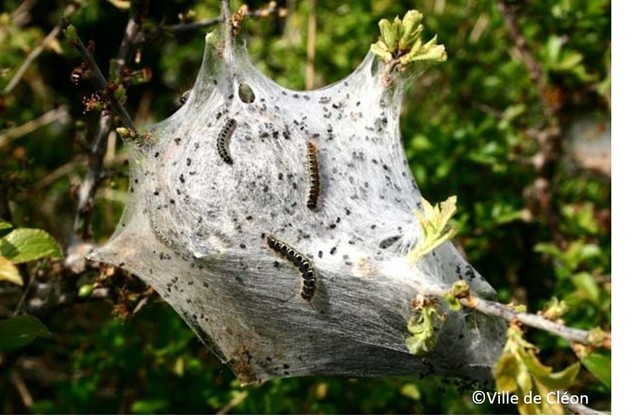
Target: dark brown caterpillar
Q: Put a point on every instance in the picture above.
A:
(314, 176)
(223, 140)
(303, 265)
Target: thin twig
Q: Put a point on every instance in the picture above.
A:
(21, 387)
(69, 10)
(235, 401)
(58, 114)
(192, 26)
(270, 10)
(91, 180)
(133, 36)
(533, 67)
(59, 172)
(30, 58)
(508, 313)
(311, 46)
(228, 30)
(102, 84)
(511, 313)
(549, 138)
(27, 290)
(20, 15)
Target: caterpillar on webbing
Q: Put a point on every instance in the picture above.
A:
(223, 141)
(302, 263)
(313, 174)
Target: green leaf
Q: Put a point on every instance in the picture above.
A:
(9, 272)
(600, 366)
(552, 380)
(519, 371)
(587, 286)
(387, 34)
(410, 391)
(379, 49)
(22, 245)
(402, 39)
(148, 406)
(71, 35)
(434, 225)
(423, 326)
(20, 331)
(431, 51)
(548, 249)
(505, 372)
(4, 227)
(411, 29)
(452, 301)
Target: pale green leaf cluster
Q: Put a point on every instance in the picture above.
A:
(518, 371)
(459, 289)
(71, 35)
(401, 40)
(422, 328)
(433, 222)
(555, 309)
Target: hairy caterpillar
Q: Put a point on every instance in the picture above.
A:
(303, 265)
(223, 140)
(314, 176)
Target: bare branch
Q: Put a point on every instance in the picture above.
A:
(70, 9)
(133, 36)
(235, 401)
(21, 387)
(58, 114)
(91, 180)
(102, 83)
(192, 26)
(20, 16)
(30, 58)
(549, 138)
(228, 30)
(311, 46)
(508, 313)
(270, 10)
(511, 314)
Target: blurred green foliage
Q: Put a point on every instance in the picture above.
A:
(467, 126)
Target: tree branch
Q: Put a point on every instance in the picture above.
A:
(595, 338)
(228, 29)
(58, 114)
(311, 46)
(103, 84)
(270, 10)
(69, 10)
(510, 314)
(549, 138)
(133, 36)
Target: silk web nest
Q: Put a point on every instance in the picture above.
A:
(277, 223)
